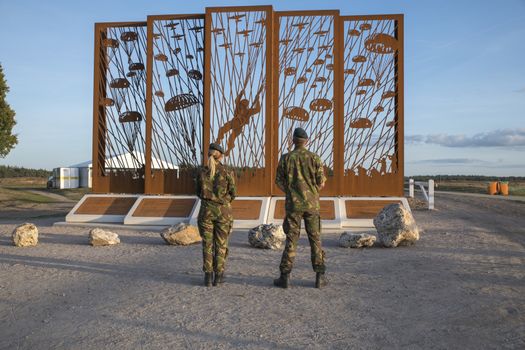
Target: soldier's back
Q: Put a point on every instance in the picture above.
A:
(216, 189)
(302, 169)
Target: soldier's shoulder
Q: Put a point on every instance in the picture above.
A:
(202, 169)
(310, 154)
(228, 171)
(284, 157)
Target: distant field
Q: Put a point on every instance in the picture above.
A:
(22, 189)
(19, 189)
(516, 188)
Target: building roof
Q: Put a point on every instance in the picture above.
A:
(128, 160)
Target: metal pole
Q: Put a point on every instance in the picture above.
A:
(430, 194)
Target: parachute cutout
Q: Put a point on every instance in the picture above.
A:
(177, 91)
(118, 88)
(130, 122)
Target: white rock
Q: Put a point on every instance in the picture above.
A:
(181, 234)
(25, 235)
(100, 237)
(268, 236)
(356, 240)
(396, 226)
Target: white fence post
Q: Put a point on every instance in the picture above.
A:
(430, 194)
(411, 188)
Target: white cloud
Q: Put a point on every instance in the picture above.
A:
(449, 161)
(496, 138)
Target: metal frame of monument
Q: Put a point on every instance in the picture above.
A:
(245, 77)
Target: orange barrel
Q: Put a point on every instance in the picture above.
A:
(493, 187)
(504, 188)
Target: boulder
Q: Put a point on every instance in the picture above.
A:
(356, 240)
(181, 234)
(268, 236)
(25, 235)
(99, 237)
(396, 226)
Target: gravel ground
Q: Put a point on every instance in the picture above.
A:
(460, 287)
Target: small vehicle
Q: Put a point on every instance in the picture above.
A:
(50, 182)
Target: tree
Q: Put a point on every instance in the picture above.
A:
(7, 120)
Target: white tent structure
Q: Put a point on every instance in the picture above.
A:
(121, 161)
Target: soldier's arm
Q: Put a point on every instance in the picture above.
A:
(320, 178)
(256, 109)
(280, 178)
(232, 190)
(198, 185)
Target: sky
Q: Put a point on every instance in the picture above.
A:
(464, 77)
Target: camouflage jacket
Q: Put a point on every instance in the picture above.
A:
(220, 189)
(300, 175)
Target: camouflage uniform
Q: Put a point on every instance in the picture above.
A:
(300, 174)
(215, 215)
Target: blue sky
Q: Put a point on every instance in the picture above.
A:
(464, 77)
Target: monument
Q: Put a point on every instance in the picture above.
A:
(245, 77)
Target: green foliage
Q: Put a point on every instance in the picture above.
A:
(14, 171)
(7, 120)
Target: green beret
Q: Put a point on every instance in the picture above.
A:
(299, 133)
(217, 147)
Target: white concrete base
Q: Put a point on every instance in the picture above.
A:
(72, 216)
(195, 213)
(266, 212)
(251, 223)
(325, 224)
(237, 222)
(131, 219)
(353, 222)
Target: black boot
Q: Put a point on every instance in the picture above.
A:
(282, 281)
(207, 279)
(219, 278)
(320, 280)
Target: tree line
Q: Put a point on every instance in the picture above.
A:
(16, 171)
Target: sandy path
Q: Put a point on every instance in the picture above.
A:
(460, 287)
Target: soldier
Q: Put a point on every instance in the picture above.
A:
(300, 176)
(216, 189)
(241, 118)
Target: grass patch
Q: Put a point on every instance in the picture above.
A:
(18, 189)
(516, 188)
(18, 194)
(20, 186)
(71, 193)
(35, 182)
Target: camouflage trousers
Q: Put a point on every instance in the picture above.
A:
(292, 228)
(215, 224)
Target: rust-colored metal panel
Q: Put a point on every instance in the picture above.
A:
(305, 69)
(165, 207)
(106, 206)
(245, 209)
(119, 108)
(327, 209)
(373, 105)
(175, 102)
(245, 77)
(99, 183)
(366, 209)
(238, 92)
